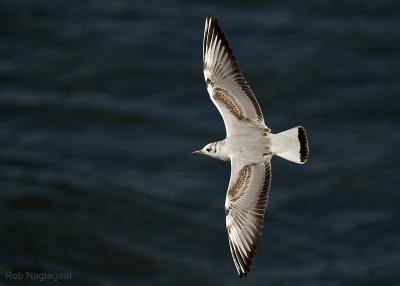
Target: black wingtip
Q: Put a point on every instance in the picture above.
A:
(213, 21)
(211, 15)
(215, 27)
(304, 151)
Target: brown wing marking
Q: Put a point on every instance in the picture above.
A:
(226, 99)
(238, 188)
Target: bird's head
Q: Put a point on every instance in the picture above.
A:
(213, 150)
(209, 150)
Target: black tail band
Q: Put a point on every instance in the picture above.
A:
(303, 144)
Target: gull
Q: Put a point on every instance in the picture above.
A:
(249, 146)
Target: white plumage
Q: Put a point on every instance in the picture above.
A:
(249, 146)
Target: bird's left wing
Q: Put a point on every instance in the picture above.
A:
(246, 201)
(226, 85)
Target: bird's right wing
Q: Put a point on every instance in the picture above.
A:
(226, 85)
(246, 201)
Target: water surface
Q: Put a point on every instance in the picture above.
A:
(102, 102)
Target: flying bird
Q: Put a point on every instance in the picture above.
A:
(249, 146)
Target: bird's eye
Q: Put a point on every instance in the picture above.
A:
(208, 149)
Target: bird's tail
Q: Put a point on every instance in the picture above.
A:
(291, 145)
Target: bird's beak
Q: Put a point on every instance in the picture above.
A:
(198, 152)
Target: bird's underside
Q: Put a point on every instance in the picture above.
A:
(249, 146)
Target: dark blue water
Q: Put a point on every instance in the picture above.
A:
(101, 103)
